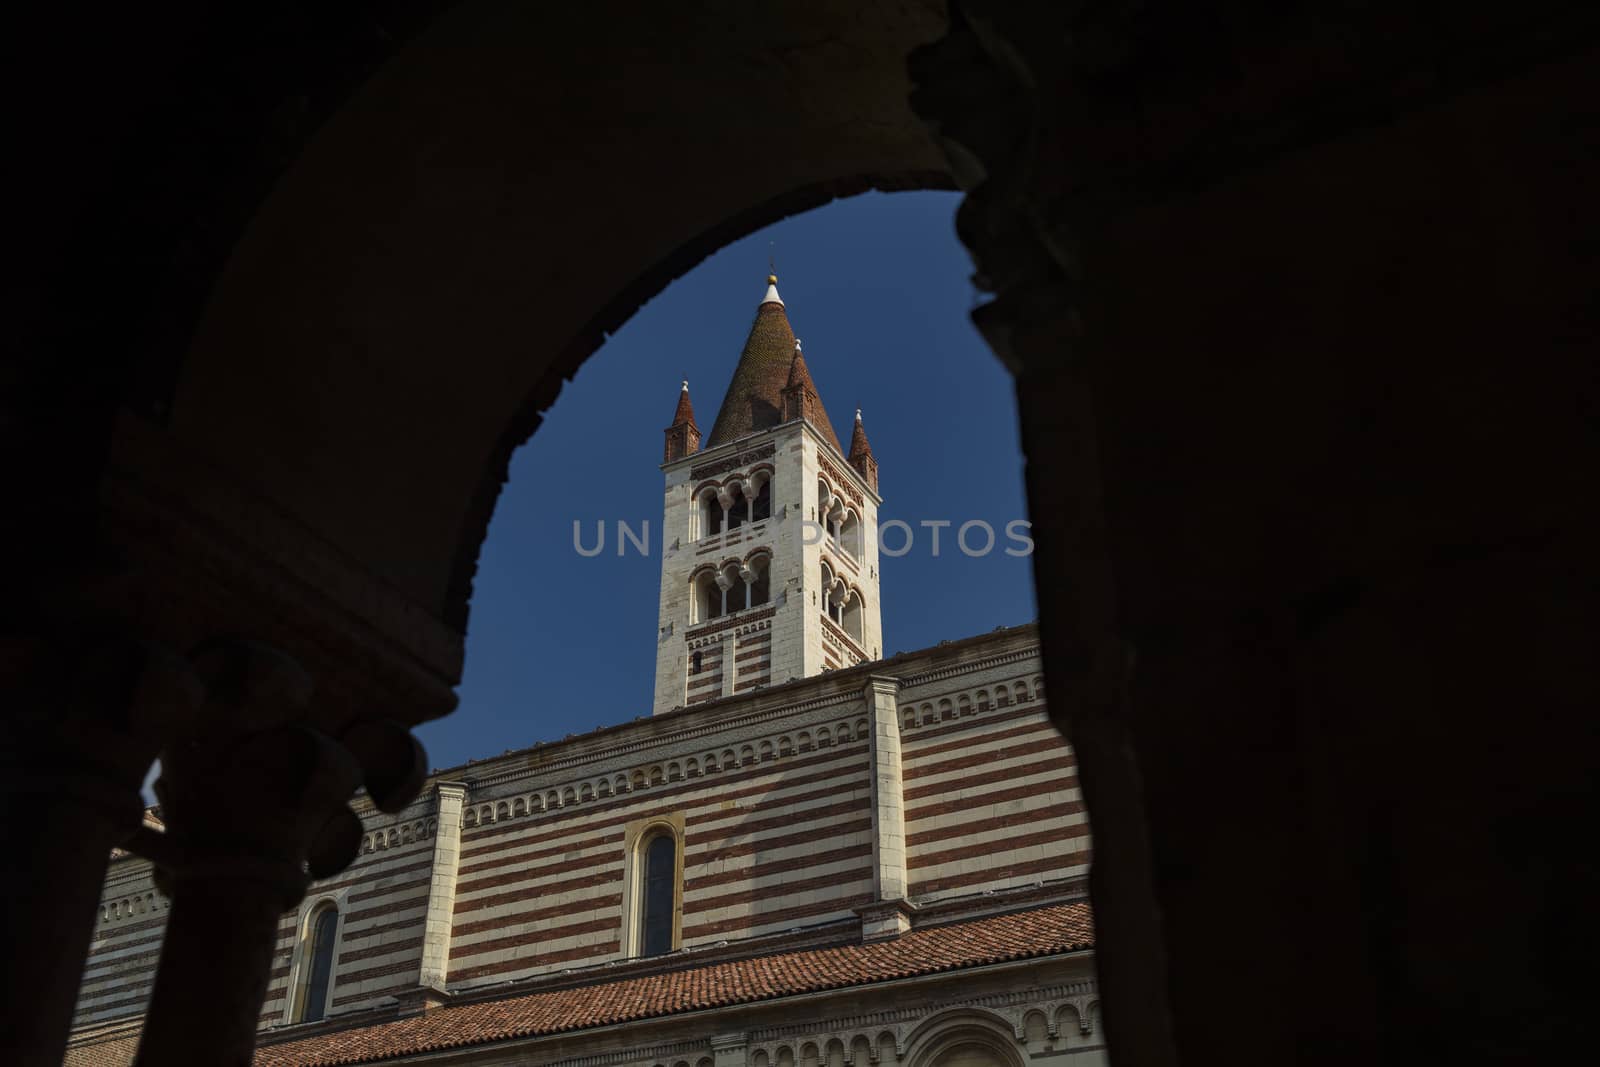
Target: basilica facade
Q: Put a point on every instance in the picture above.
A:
(808, 855)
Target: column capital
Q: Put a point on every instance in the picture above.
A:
(886, 684)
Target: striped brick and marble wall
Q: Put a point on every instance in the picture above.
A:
(777, 834)
(779, 797)
(126, 945)
(990, 786)
(382, 900)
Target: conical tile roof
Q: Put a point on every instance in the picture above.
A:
(755, 395)
(859, 447)
(684, 415)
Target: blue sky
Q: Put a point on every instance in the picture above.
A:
(877, 288)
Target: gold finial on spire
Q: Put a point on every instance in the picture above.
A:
(772, 279)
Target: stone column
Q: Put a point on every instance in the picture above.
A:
(252, 816)
(442, 888)
(889, 882)
(80, 743)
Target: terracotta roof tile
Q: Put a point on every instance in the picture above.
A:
(116, 1051)
(684, 415)
(1029, 934)
(754, 400)
(858, 442)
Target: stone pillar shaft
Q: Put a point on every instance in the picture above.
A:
(442, 888)
(889, 879)
(47, 917)
(225, 929)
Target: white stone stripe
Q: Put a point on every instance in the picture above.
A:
(774, 885)
(997, 838)
(783, 926)
(531, 890)
(104, 958)
(596, 898)
(472, 887)
(1067, 854)
(973, 790)
(709, 797)
(915, 757)
(976, 810)
(768, 855)
(537, 942)
(1004, 761)
(747, 910)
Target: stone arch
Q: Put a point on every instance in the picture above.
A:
(824, 737)
(963, 1037)
(586, 791)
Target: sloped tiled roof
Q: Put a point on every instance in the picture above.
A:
(754, 400)
(116, 1051)
(1038, 932)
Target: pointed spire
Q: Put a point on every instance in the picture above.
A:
(683, 436)
(861, 457)
(858, 440)
(758, 396)
(685, 413)
(799, 374)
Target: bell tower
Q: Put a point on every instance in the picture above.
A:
(770, 563)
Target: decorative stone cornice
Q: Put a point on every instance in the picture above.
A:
(725, 464)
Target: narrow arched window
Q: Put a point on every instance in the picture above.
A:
(761, 506)
(657, 896)
(317, 965)
(696, 663)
